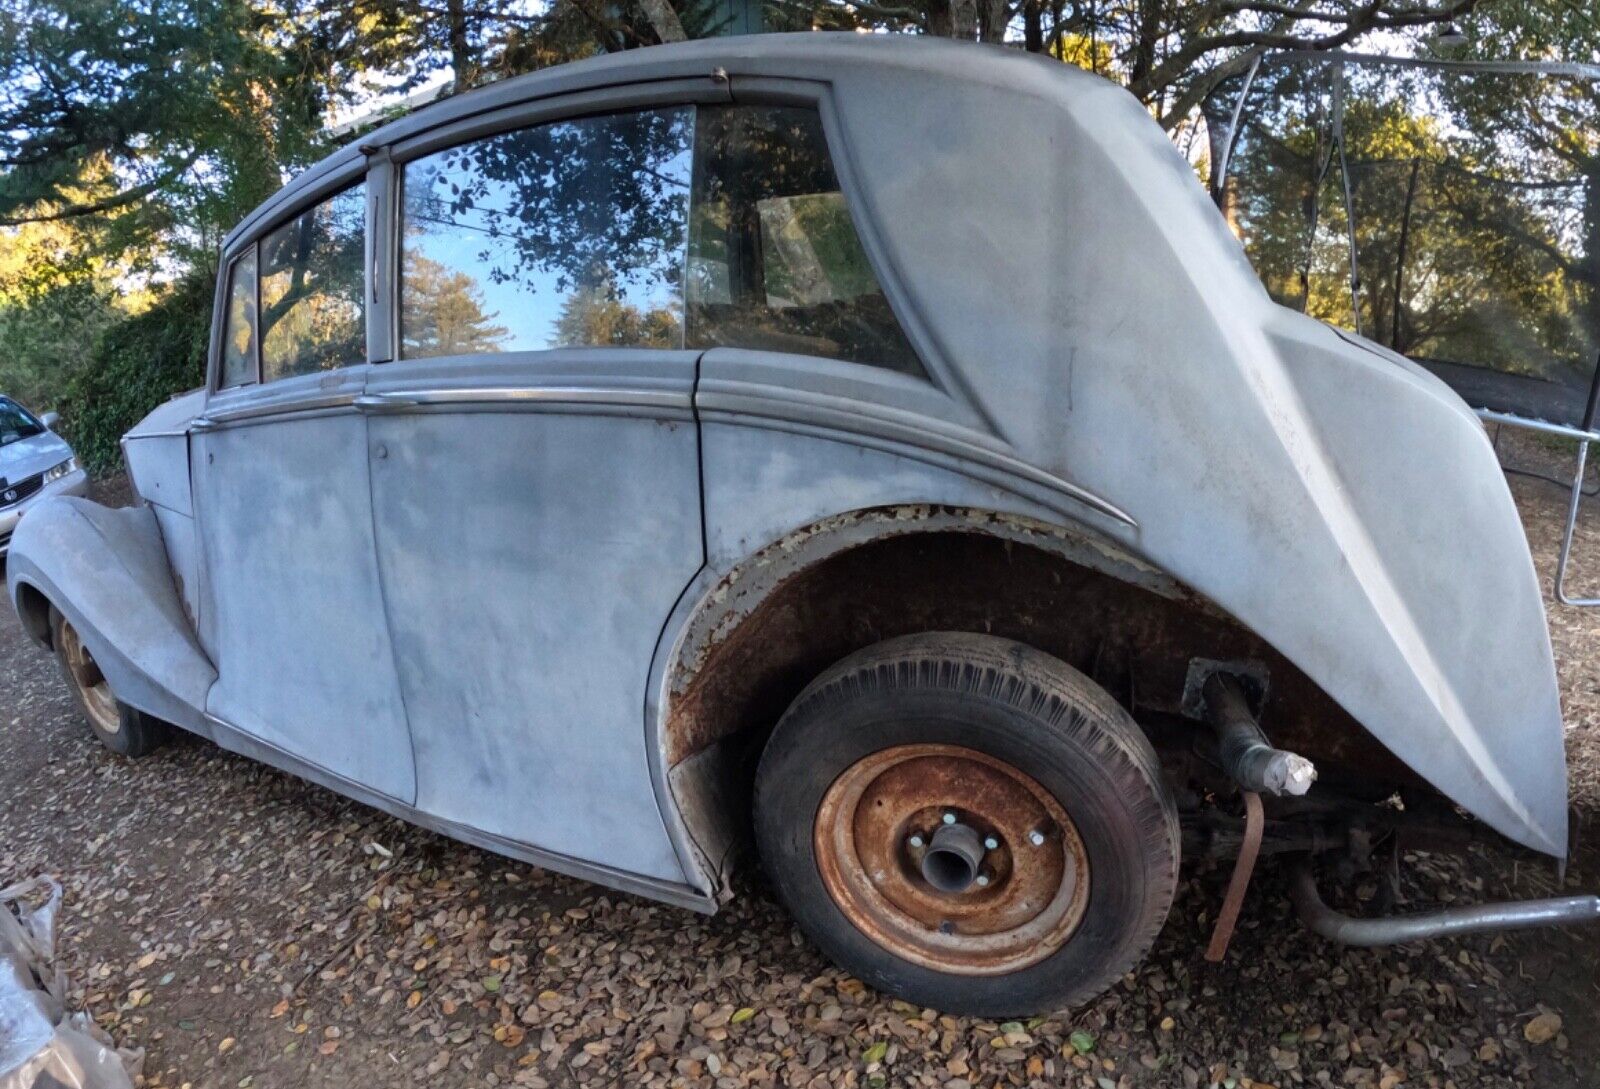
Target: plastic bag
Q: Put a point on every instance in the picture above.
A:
(40, 1044)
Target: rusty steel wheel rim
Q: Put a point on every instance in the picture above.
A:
(98, 702)
(951, 859)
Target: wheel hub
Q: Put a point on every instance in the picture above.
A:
(95, 691)
(952, 859)
(951, 863)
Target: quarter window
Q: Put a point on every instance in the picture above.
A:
(774, 261)
(239, 332)
(562, 235)
(312, 316)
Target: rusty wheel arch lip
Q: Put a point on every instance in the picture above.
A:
(717, 601)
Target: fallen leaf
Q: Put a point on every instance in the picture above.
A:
(1081, 1042)
(1543, 1028)
(741, 1015)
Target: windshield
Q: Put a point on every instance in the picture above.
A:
(16, 423)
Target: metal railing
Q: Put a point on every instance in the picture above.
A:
(1583, 435)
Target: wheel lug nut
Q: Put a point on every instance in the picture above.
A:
(949, 817)
(1036, 838)
(915, 841)
(990, 843)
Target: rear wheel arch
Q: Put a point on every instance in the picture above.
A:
(757, 637)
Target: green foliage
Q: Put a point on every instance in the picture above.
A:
(135, 366)
(135, 133)
(42, 342)
(1475, 204)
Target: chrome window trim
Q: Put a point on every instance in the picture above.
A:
(304, 193)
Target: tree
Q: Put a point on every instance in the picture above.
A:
(443, 312)
(594, 315)
(1171, 54)
(1471, 204)
(145, 129)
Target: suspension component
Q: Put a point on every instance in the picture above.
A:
(1243, 750)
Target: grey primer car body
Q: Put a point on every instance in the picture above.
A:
(542, 600)
(35, 465)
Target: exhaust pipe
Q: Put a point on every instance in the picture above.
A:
(1243, 750)
(1390, 930)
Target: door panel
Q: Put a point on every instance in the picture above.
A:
(537, 517)
(299, 637)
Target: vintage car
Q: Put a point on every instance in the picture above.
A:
(880, 445)
(35, 463)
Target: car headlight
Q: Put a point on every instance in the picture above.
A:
(65, 468)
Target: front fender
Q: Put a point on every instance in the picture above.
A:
(106, 570)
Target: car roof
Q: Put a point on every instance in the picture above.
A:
(817, 55)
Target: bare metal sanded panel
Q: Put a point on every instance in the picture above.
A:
(531, 549)
(302, 649)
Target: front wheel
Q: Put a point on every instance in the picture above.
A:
(969, 824)
(120, 728)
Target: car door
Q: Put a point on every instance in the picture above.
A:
(292, 612)
(535, 474)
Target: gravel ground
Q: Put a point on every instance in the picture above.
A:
(248, 929)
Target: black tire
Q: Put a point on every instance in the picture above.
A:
(122, 729)
(1012, 704)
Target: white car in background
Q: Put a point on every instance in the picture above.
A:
(34, 462)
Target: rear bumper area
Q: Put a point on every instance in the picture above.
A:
(106, 571)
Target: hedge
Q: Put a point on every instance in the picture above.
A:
(135, 366)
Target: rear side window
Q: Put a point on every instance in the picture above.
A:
(569, 234)
(775, 262)
(311, 294)
(239, 332)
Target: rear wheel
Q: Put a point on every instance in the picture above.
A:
(120, 728)
(968, 823)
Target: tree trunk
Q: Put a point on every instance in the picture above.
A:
(663, 20)
(996, 16)
(954, 18)
(461, 60)
(1032, 26)
(1144, 52)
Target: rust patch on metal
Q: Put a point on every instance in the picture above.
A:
(1239, 883)
(1014, 904)
(773, 635)
(817, 596)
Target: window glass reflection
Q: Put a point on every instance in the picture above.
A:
(775, 262)
(239, 334)
(312, 315)
(563, 235)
